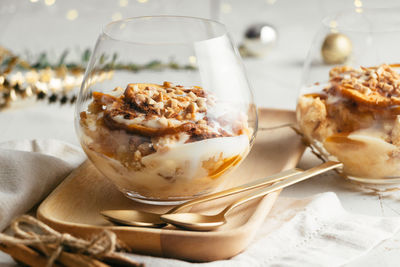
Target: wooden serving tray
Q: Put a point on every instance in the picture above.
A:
(74, 205)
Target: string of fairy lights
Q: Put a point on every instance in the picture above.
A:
(73, 13)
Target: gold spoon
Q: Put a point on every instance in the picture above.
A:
(199, 222)
(277, 127)
(149, 219)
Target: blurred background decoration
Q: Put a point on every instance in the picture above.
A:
(43, 33)
(35, 64)
(336, 48)
(258, 40)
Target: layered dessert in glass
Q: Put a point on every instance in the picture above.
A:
(354, 118)
(163, 142)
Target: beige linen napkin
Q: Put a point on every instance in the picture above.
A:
(316, 231)
(29, 171)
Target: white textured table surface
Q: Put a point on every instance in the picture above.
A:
(275, 80)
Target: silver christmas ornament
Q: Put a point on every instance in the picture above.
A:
(258, 40)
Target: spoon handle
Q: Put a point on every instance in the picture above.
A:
(276, 127)
(285, 183)
(238, 189)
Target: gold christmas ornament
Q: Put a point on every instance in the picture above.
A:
(336, 48)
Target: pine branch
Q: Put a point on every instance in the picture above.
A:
(13, 90)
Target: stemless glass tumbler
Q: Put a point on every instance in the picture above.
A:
(177, 114)
(349, 104)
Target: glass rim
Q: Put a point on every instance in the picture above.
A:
(137, 18)
(366, 12)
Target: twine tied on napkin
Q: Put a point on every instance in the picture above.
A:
(32, 232)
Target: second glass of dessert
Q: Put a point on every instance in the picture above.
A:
(349, 106)
(176, 116)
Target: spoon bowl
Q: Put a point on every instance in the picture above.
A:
(134, 218)
(195, 221)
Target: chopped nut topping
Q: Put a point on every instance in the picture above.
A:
(373, 86)
(192, 108)
(192, 96)
(153, 110)
(137, 155)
